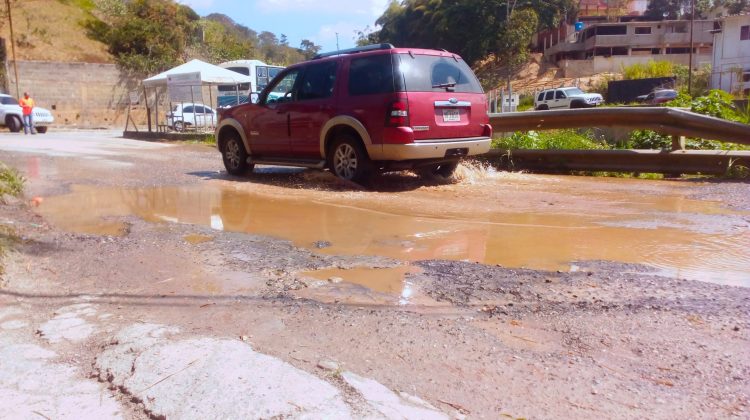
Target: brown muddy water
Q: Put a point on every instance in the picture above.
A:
(534, 222)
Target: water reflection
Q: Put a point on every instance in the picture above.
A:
(534, 240)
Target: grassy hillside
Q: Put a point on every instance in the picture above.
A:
(49, 30)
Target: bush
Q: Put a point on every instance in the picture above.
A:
(701, 79)
(11, 181)
(648, 70)
(525, 103)
(555, 140)
(647, 139)
(718, 104)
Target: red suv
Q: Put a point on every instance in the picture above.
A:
(362, 110)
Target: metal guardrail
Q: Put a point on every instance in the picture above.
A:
(714, 162)
(678, 123)
(670, 121)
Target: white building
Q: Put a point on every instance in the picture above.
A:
(731, 61)
(608, 47)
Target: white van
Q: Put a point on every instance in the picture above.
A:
(260, 72)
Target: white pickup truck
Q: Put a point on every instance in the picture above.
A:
(566, 97)
(11, 115)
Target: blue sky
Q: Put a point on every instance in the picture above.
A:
(316, 20)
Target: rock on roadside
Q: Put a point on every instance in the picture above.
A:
(390, 405)
(198, 378)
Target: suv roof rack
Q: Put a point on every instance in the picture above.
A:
(354, 50)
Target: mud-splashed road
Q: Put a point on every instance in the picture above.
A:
(501, 294)
(518, 221)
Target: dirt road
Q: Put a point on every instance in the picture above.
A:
(143, 281)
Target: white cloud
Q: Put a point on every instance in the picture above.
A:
(373, 8)
(346, 32)
(197, 4)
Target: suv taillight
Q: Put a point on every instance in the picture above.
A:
(398, 114)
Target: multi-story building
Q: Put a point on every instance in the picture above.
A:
(731, 57)
(608, 47)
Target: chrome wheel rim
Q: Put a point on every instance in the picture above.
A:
(345, 161)
(232, 153)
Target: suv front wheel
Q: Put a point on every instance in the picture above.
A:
(348, 159)
(235, 156)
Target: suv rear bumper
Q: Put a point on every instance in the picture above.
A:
(430, 149)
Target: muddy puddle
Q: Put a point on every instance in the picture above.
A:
(365, 285)
(522, 222)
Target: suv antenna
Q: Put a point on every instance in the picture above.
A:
(337, 41)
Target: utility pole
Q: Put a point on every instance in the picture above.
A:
(13, 50)
(690, 61)
(509, 98)
(337, 42)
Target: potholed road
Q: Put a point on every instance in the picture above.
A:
(500, 294)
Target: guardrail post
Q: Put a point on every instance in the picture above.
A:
(678, 143)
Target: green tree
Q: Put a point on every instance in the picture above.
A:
(472, 28)
(678, 9)
(511, 48)
(308, 48)
(735, 7)
(219, 44)
(149, 36)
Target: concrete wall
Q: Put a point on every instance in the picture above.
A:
(81, 95)
(614, 64)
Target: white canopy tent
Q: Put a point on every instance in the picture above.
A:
(210, 75)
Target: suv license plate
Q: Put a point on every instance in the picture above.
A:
(451, 115)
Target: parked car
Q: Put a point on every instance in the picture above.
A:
(658, 96)
(11, 115)
(566, 97)
(362, 110)
(191, 115)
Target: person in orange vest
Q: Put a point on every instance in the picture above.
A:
(27, 104)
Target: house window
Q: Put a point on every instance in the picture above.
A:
(612, 30)
(745, 33)
(678, 28)
(678, 50)
(643, 30)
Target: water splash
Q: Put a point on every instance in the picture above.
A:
(474, 171)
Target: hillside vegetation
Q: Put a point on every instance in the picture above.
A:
(148, 36)
(50, 30)
(142, 36)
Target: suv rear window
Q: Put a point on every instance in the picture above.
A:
(426, 73)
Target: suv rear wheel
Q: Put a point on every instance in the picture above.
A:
(348, 159)
(441, 171)
(235, 156)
